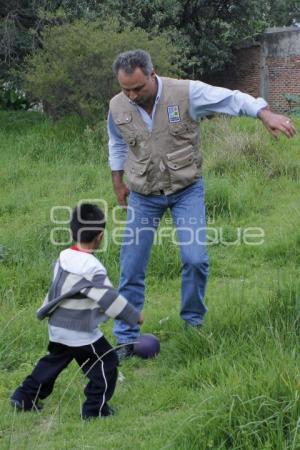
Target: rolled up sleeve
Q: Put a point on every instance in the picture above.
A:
(117, 147)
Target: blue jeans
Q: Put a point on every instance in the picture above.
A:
(143, 216)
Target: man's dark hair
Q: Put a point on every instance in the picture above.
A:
(87, 222)
(131, 60)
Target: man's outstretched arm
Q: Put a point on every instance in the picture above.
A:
(206, 99)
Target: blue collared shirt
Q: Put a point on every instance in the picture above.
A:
(204, 99)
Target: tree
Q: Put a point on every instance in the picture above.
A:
(72, 72)
(204, 31)
(284, 12)
(21, 22)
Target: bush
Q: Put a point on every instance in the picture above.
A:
(73, 74)
(293, 101)
(12, 98)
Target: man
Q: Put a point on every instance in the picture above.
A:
(154, 137)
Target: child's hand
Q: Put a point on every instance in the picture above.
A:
(141, 319)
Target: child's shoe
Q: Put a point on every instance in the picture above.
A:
(106, 411)
(24, 406)
(124, 351)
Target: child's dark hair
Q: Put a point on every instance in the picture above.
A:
(87, 222)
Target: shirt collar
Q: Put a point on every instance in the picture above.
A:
(75, 247)
(159, 89)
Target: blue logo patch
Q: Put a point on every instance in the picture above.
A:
(173, 113)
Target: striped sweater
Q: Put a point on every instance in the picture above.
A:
(80, 303)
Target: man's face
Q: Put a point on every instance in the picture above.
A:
(137, 86)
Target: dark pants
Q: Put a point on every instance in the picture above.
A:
(99, 366)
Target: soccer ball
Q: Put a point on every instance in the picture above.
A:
(146, 346)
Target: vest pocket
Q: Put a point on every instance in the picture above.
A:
(123, 118)
(182, 156)
(136, 173)
(182, 167)
(179, 128)
(136, 167)
(180, 163)
(183, 134)
(123, 122)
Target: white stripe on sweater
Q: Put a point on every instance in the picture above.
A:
(95, 293)
(70, 281)
(79, 304)
(116, 307)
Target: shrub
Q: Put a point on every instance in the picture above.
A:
(293, 101)
(73, 74)
(12, 98)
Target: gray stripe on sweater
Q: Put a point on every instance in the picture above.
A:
(84, 320)
(59, 280)
(72, 282)
(108, 298)
(132, 315)
(47, 308)
(98, 279)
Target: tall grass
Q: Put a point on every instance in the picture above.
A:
(233, 385)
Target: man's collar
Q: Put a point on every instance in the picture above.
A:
(159, 88)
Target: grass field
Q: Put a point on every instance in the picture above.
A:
(234, 385)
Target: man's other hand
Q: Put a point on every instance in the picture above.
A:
(276, 123)
(122, 192)
(120, 187)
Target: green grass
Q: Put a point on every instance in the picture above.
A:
(236, 384)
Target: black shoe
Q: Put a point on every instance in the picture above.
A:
(19, 406)
(124, 351)
(196, 326)
(105, 412)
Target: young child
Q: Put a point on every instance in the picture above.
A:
(80, 297)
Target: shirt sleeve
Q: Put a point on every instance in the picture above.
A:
(117, 147)
(113, 304)
(206, 99)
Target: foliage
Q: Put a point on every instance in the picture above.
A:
(294, 103)
(284, 12)
(203, 31)
(13, 98)
(72, 72)
(21, 22)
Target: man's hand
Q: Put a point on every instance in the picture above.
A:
(276, 123)
(122, 192)
(120, 187)
(141, 319)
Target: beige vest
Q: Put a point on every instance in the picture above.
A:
(168, 157)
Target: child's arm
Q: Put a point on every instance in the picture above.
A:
(113, 304)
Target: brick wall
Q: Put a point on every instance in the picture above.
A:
(269, 69)
(284, 78)
(243, 75)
